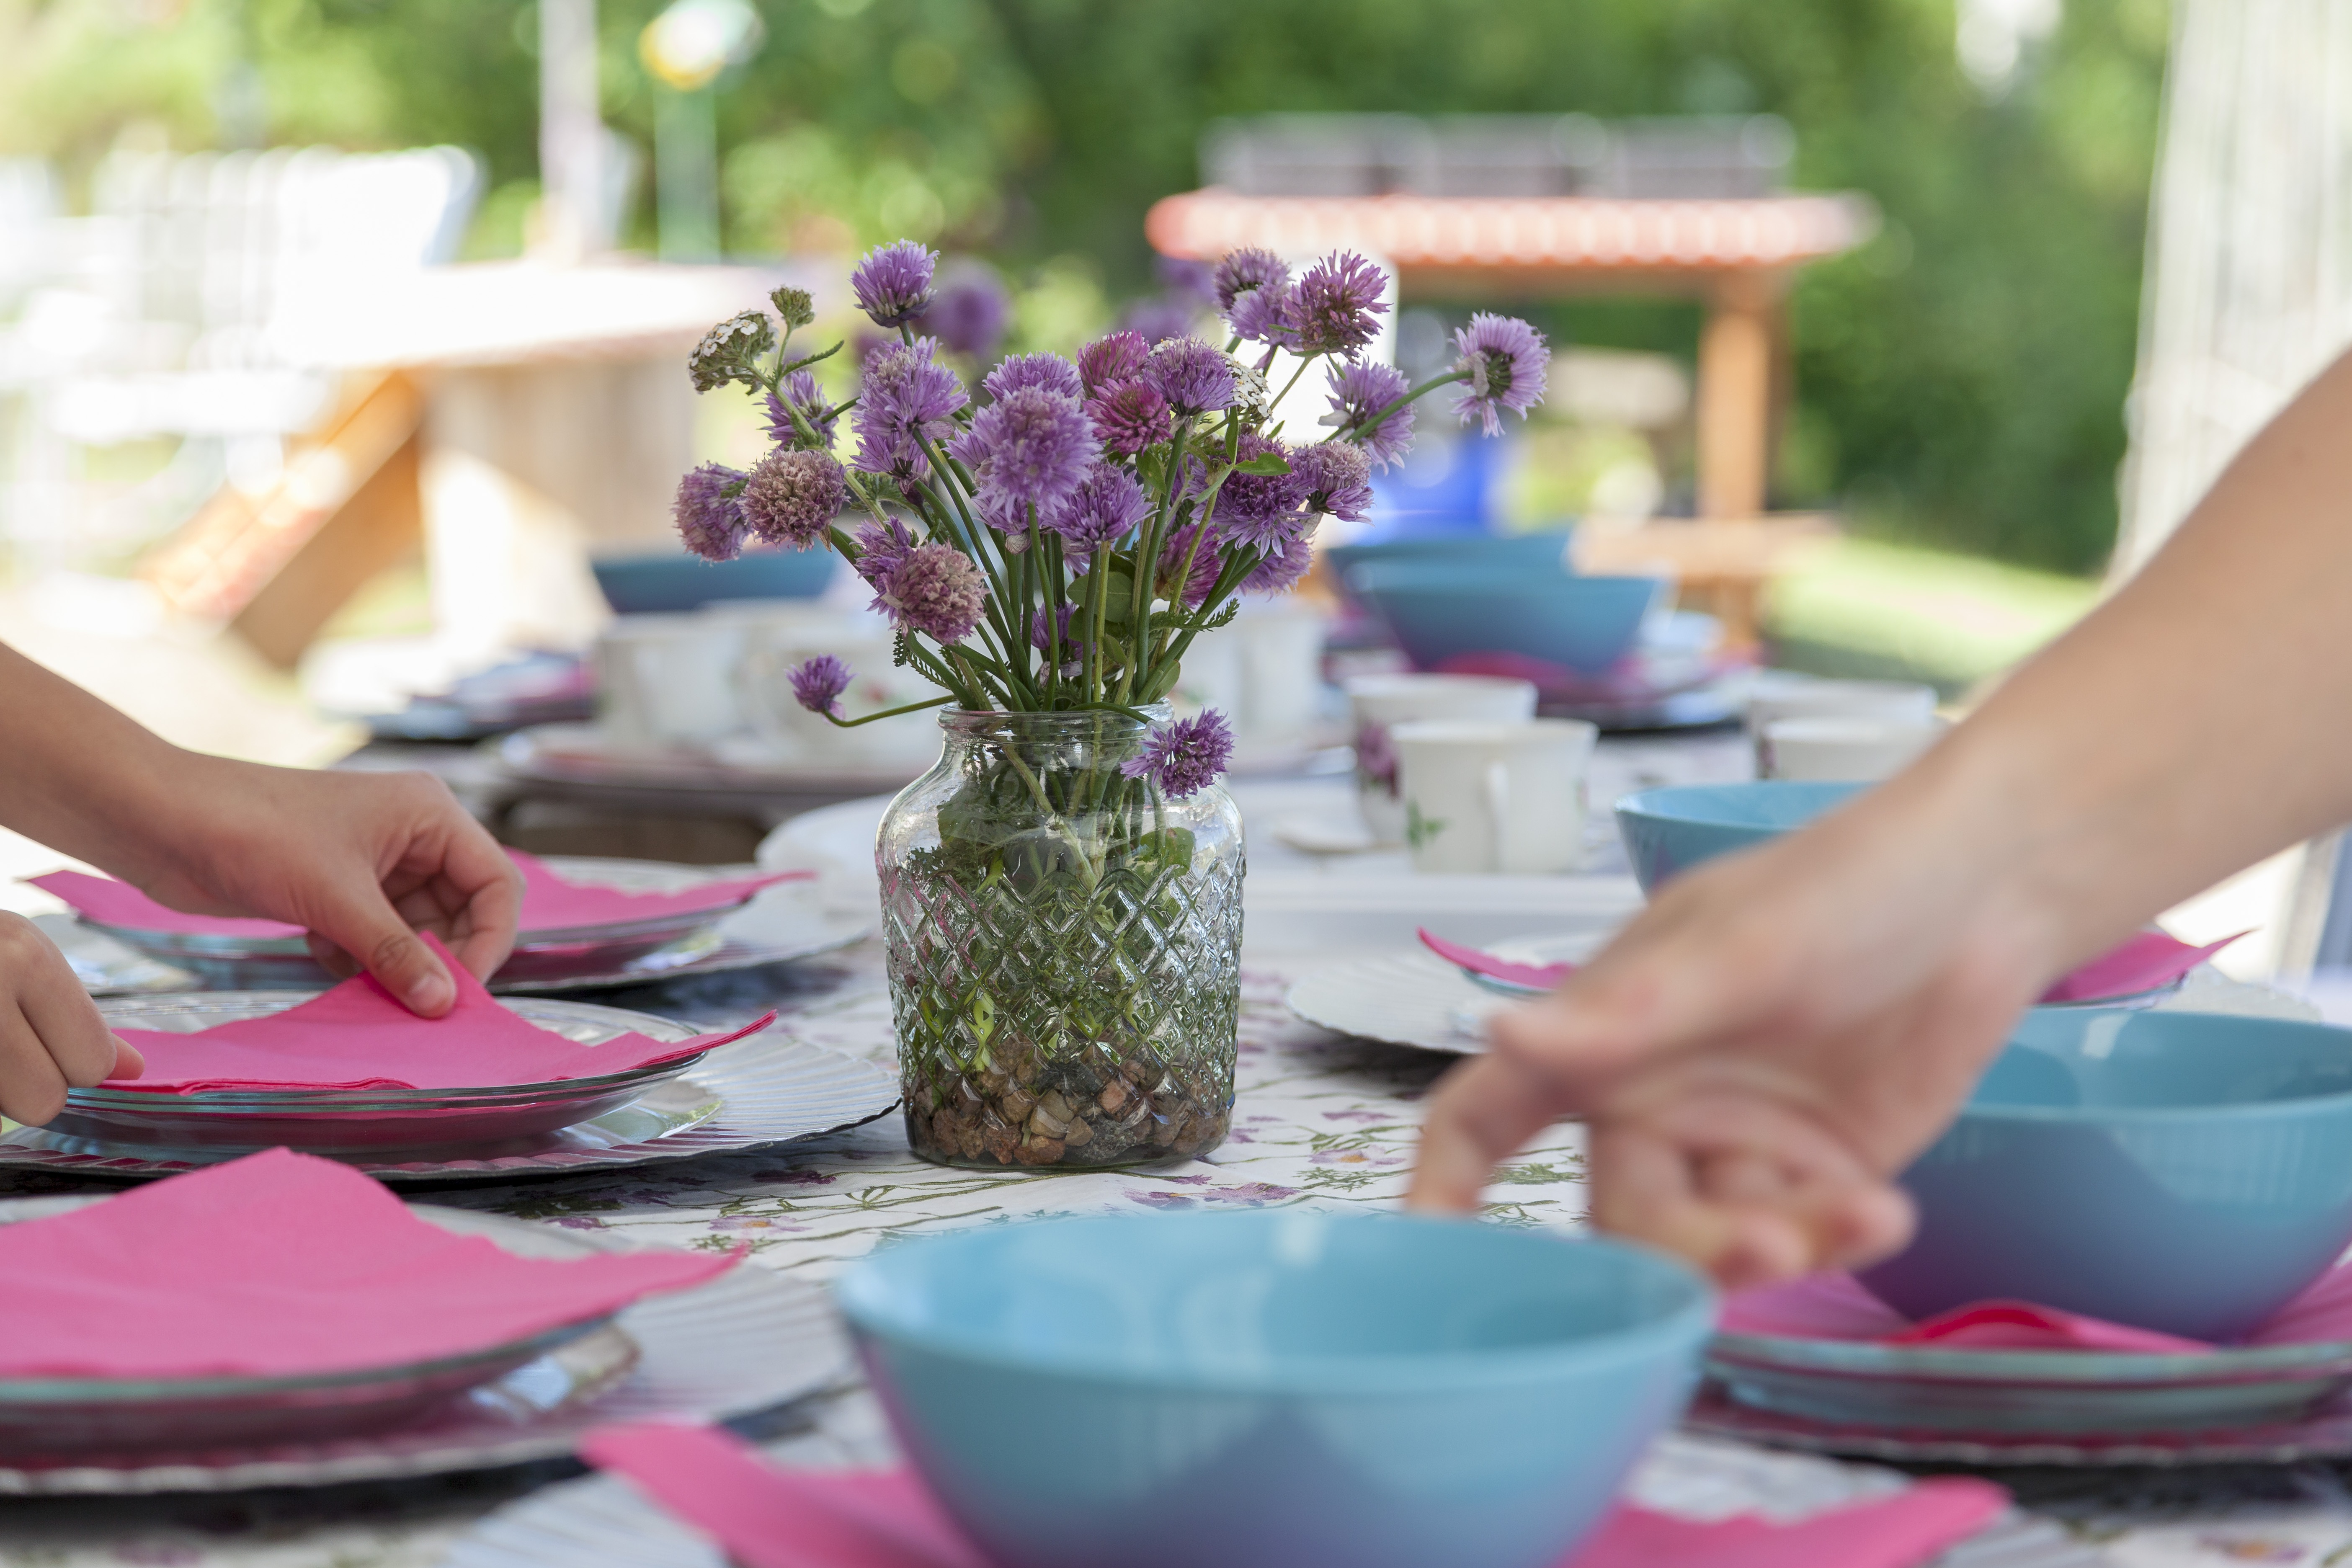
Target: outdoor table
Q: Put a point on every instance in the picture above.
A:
(1320, 1120)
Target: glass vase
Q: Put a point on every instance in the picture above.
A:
(1063, 944)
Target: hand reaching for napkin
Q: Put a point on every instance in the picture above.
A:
(363, 861)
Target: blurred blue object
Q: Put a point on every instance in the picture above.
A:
(1445, 484)
(2189, 1173)
(1437, 610)
(1277, 1387)
(670, 582)
(1531, 551)
(1668, 831)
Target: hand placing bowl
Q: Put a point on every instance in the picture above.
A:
(1269, 1388)
(2183, 1172)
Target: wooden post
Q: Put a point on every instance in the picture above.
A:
(1734, 395)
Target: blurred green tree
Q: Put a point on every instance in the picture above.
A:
(1961, 380)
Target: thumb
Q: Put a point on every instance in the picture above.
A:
(370, 929)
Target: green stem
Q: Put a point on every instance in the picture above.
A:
(1372, 422)
(841, 724)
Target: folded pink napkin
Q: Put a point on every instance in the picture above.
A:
(2146, 962)
(767, 1517)
(358, 1036)
(1834, 1307)
(549, 902)
(283, 1265)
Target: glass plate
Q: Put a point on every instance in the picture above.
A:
(1400, 999)
(747, 1341)
(758, 1092)
(48, 1414)
(2027, 1392)
(335, 1121)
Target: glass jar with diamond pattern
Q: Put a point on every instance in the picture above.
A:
(1063, 943)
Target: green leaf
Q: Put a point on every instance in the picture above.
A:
(1119, 591)
(1264, 463)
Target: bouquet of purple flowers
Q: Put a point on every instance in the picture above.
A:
(1058, 543)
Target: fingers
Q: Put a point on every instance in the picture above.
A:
(363, 924)
(52, 1037)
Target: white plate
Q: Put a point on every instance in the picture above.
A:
(1399, 998)
(582, 755)
(749, 1341)
(758, 1092)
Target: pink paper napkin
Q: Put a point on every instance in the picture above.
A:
(2146, 962)
(767, 1517)
(283, 1265)
(358, 1036)
(1834, 1307)
(549, 902)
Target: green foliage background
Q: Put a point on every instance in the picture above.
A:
(1961, 380)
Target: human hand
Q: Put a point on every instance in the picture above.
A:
(51, 1037)
(362, 860)
(1759, 1052)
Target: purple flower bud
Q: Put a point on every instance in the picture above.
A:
(905, 392)
(893, 283)
(817, 685)
(1029, 449)
(791, 494)
(936, 591)
(1245, 271)
(1359, 390)
(708, 515)
(1185, 756)
(1050, 373)
(1507, 363)
(1333, 309)
(802, 392)
(1130, 417)
(1196, 583)
(1194, 376)
(1256, 508)
(1107, 504)
(1106, 362)
(1336, 476)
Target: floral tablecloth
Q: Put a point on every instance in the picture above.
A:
(1320, 1120)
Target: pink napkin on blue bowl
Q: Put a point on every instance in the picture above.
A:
(283, 1265)
(358, 1036)
(549, 902)
(764, 1515)
(1834, 1307)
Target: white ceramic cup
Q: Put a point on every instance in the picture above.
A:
(1378, 703)
(1784, 696)
(1830, 748)
(666, 680)
(1485, 797)
(776, 646)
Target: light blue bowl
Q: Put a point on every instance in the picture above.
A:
(1437, 610)
(1544, 551)
(673, 581)
(1668, 831)
(2184, 1171)
(1276, 1388)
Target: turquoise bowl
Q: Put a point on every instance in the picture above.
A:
(1438, 610)
(2184, 1171)
(1668, 831)
(1274, 1388)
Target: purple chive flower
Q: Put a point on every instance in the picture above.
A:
(802, 392)
(1255, 509)
(791, 494)
(1337, 300)
(1067, 652)
(1286, 560)
(1107, 361)
(709, 514)
(969, 313)
(936, 591)
(1338, 478)
(1159, 319)
(1051, 373)
(893, 283)
(1185, 756)
(1186, 279)
(1031, 448)
(1263, 315)
(1107, 504)
(817, 685)
(881, 547)
(905, 390)
(1360, 389)
(1506, 362)
(1130, 417)
(1194, 376)
(1206, 565)
(1245, 271)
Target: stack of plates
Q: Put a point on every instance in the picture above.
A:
(743, 1342)
(1932, 1405)
(775, 925)
(756, 1092)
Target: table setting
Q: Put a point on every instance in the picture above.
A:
(1046, 1212)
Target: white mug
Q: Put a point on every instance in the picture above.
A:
(1377, 703)
(1482, 797)
(1787, 695)
(666, 680)
(1841, 749)
(776, 646)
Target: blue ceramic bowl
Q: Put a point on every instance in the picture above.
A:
(1275, 1388)
(1436, 610)
(1517, 552)
(672, 582)
(2185, 1172)
(1668, 831)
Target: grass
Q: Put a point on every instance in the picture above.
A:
(1865, 607)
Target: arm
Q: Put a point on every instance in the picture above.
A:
(1781, 1031)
